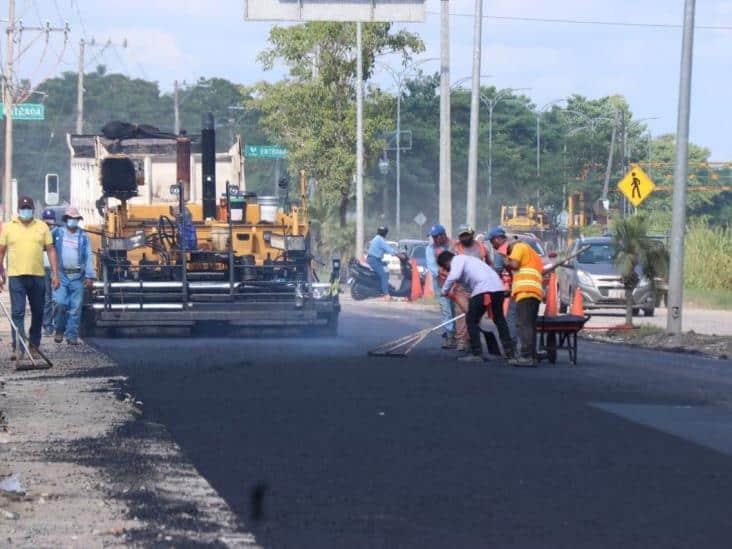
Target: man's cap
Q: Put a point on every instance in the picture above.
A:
(48, 215)
(465, 229)
(25, 202)
(437, 230)
(496, 232)
(72, 213)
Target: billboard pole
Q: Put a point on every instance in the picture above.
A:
(678, 214)
(472, 205)
(359, 140)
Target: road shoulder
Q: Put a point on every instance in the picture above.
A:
(95, 472)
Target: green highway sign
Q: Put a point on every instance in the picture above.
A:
(265, 151)
(26, 111)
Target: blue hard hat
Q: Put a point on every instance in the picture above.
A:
(496, 232)
(437, 230)
(48, 214)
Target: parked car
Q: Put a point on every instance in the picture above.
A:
(595, 274)
(415, 249)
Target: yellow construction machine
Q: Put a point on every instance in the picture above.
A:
(523, 219)
(173, 262)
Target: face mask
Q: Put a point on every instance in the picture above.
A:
(25, 214)
(72, 223)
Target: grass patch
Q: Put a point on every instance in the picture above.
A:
(708, 299)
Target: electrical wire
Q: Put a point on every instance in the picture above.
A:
(589, 22)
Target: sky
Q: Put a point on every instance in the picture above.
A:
(187, 39)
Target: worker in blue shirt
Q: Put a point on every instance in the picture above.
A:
(375, 258)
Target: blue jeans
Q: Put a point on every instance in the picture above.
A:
(377, 264)
(511, 319)
(48, 304)
(446, 307)
(32, 288)
(68, 298)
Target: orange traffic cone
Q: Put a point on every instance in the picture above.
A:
(416, 282)
(551, 307)
(578, 306)
(427, 291)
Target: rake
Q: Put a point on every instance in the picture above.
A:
(402, 346)
(19, 337)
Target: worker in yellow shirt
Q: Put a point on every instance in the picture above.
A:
(24, 239)
(526, 290)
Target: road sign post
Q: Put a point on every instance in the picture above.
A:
(636, 185)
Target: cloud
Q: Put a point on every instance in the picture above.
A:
(155, 50)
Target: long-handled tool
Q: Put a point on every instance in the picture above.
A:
(19, 337)
(565, 260)
(402, 346)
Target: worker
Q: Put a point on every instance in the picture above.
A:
(49, 218)
(76, 271)
(469, 245)
(375, 258)
(500, 258)
(526, 290)
(24, 239)
(441, 243)
(484, 285)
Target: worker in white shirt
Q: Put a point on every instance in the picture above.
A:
(484, 285)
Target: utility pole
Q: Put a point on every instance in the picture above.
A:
(80, 90)
(8, 104)
(9, 97)
(398, 164)
(176, 109)
(472, 199)
(678, 215)
(83, 45)
(445, 190)
(359, 140)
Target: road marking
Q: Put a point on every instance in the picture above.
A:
(703, 425)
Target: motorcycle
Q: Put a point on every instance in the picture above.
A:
(365, 283)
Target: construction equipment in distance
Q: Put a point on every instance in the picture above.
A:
(524, 219)
(170, 257)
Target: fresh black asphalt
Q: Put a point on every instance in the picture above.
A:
(313, 444)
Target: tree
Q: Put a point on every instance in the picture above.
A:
(637, 257)
(313, 111)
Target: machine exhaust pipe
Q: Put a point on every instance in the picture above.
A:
(208, 166)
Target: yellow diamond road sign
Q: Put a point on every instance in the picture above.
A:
(636, 185)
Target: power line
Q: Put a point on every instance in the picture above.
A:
(589, 22)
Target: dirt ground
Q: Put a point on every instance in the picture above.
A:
(95, 473)
(686, 342)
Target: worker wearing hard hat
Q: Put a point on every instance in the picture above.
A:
(441, 243)
(526, 289)
(468, 245)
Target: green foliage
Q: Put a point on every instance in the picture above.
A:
(637, 255)
(708, 256)
(313, 112)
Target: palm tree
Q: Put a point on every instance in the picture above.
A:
(637, 256)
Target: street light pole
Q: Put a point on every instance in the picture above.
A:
(399, 78)
(399, 165)
(678, 216)
(472, 198)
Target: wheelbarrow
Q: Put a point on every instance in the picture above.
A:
(559, 332)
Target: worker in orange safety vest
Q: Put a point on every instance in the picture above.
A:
(526, 290)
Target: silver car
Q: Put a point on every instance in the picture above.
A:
(595, 274)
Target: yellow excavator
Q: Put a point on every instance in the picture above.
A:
(180, 263)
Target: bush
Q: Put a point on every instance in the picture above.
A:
(708, 256)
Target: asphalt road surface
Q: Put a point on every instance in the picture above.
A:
(313, 444)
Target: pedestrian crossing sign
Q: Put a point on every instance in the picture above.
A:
(636, 185)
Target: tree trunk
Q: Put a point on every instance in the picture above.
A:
(342, 211)
(629, 307)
